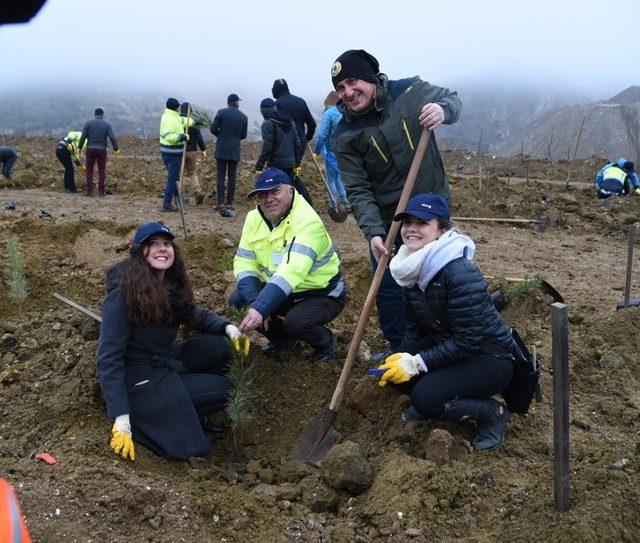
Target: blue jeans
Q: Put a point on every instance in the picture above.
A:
(172, 162)
(333, 180)
(390, 306)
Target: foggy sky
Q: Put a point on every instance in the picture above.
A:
(200, 47)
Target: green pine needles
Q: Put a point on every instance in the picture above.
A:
(523, 287)
(15, 277)
(201, 118)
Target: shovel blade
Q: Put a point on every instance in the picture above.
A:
(338, 213)
(317, 438)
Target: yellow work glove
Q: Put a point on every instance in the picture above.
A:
(297, 170)
(240, 342)
(117, 153)
(637, 191)
(69, 147)
(401, 367)
(121, 441)
(317, 156)
(203, 154)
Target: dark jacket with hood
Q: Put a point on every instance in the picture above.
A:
(163, 418)
(230, 127)
(195, 136)
(375, 147)
(454, 318)
(281, 146)
(296, 107)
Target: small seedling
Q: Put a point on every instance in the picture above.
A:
(14, 272)
(241, 398)
(523, 287)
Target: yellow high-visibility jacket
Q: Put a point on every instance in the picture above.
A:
(295, 258)
(171, 128)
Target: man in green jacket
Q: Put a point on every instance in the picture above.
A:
(374, 143)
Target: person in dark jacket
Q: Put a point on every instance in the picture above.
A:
(8, 158)
(230, 127)
(155, 388)
(68, 153)
(281, 146)
(456, 352)
(375, 143)
(297, 108)
(95, 132)
(194, 143)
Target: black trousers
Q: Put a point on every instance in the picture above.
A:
(228, 169)
(206, 359)
(64, 156)
(8, 164)
(299, 185)
(480, 376)
(304, 320)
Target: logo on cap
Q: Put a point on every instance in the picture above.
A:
(426, 205)
(335, 69)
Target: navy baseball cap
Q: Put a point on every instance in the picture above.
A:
(269, 179)
(144, 232)
(425, 207)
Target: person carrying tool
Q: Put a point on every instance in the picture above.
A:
(68, 153)
(281, 146)
(194, 143)
(8, 158)
(457, 351)
(617, 179)
(95, 133)
(230, 127)
(172, 138)
(154, 387)
(328, 123)
(374, 144)
(287, 270)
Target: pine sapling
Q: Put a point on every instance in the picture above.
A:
(201, 118)
(241, 398)
(14, 273)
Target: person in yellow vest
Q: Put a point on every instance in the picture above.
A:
(617, 179)
(172, 138)
(68, 153)
(287, 270)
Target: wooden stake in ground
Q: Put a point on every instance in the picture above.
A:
(627, 284)
(184, 156)
(575, 151)
(560, 360)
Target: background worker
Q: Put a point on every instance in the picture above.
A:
(95, 132)
(191, 158)
(375, 143)
(297, 108)
(617, 179)
(456, 352)
(328, 123)
(8, 158)
(281, 146)
(155, 388)
(229, 126)
(68, 153)
(287, 270)
(172, 138)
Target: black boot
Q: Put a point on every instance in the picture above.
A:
(327, 352)
(491, 419)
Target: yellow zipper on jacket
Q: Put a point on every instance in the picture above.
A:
(375, 144)
(406, 131)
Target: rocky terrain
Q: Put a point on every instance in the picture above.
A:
(386, 481)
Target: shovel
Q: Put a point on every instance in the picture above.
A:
(319, 435)
(337, 212)
(184, 156)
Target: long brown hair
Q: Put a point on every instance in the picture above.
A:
(148, 298)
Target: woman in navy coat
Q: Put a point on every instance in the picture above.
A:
(155, 388)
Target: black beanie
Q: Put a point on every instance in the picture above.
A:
(99, 112)
(356, 63)
(172, 103)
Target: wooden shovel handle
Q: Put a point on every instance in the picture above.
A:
(338, 394)
(333, 200)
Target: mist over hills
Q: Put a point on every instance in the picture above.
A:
(495, 118)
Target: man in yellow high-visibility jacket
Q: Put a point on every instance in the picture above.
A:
(287, 270)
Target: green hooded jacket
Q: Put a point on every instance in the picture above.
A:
(374, 149)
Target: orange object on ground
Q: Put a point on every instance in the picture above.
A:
(12, 526)
(46, 458)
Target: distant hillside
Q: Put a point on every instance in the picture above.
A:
(612, 129)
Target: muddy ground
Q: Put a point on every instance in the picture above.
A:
(416, 482)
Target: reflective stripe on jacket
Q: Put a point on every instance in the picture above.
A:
(171, 127)
(296, 258)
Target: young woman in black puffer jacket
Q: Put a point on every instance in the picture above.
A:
(456, 353)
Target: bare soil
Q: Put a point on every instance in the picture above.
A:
(50, 399)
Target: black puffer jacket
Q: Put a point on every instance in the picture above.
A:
(296, 107)
(281, 146)
(454, 318)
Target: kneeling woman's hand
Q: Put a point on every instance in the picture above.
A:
(400, 368)
(121, 441)
(240, 342)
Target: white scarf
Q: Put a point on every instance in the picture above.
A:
(405, 266)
